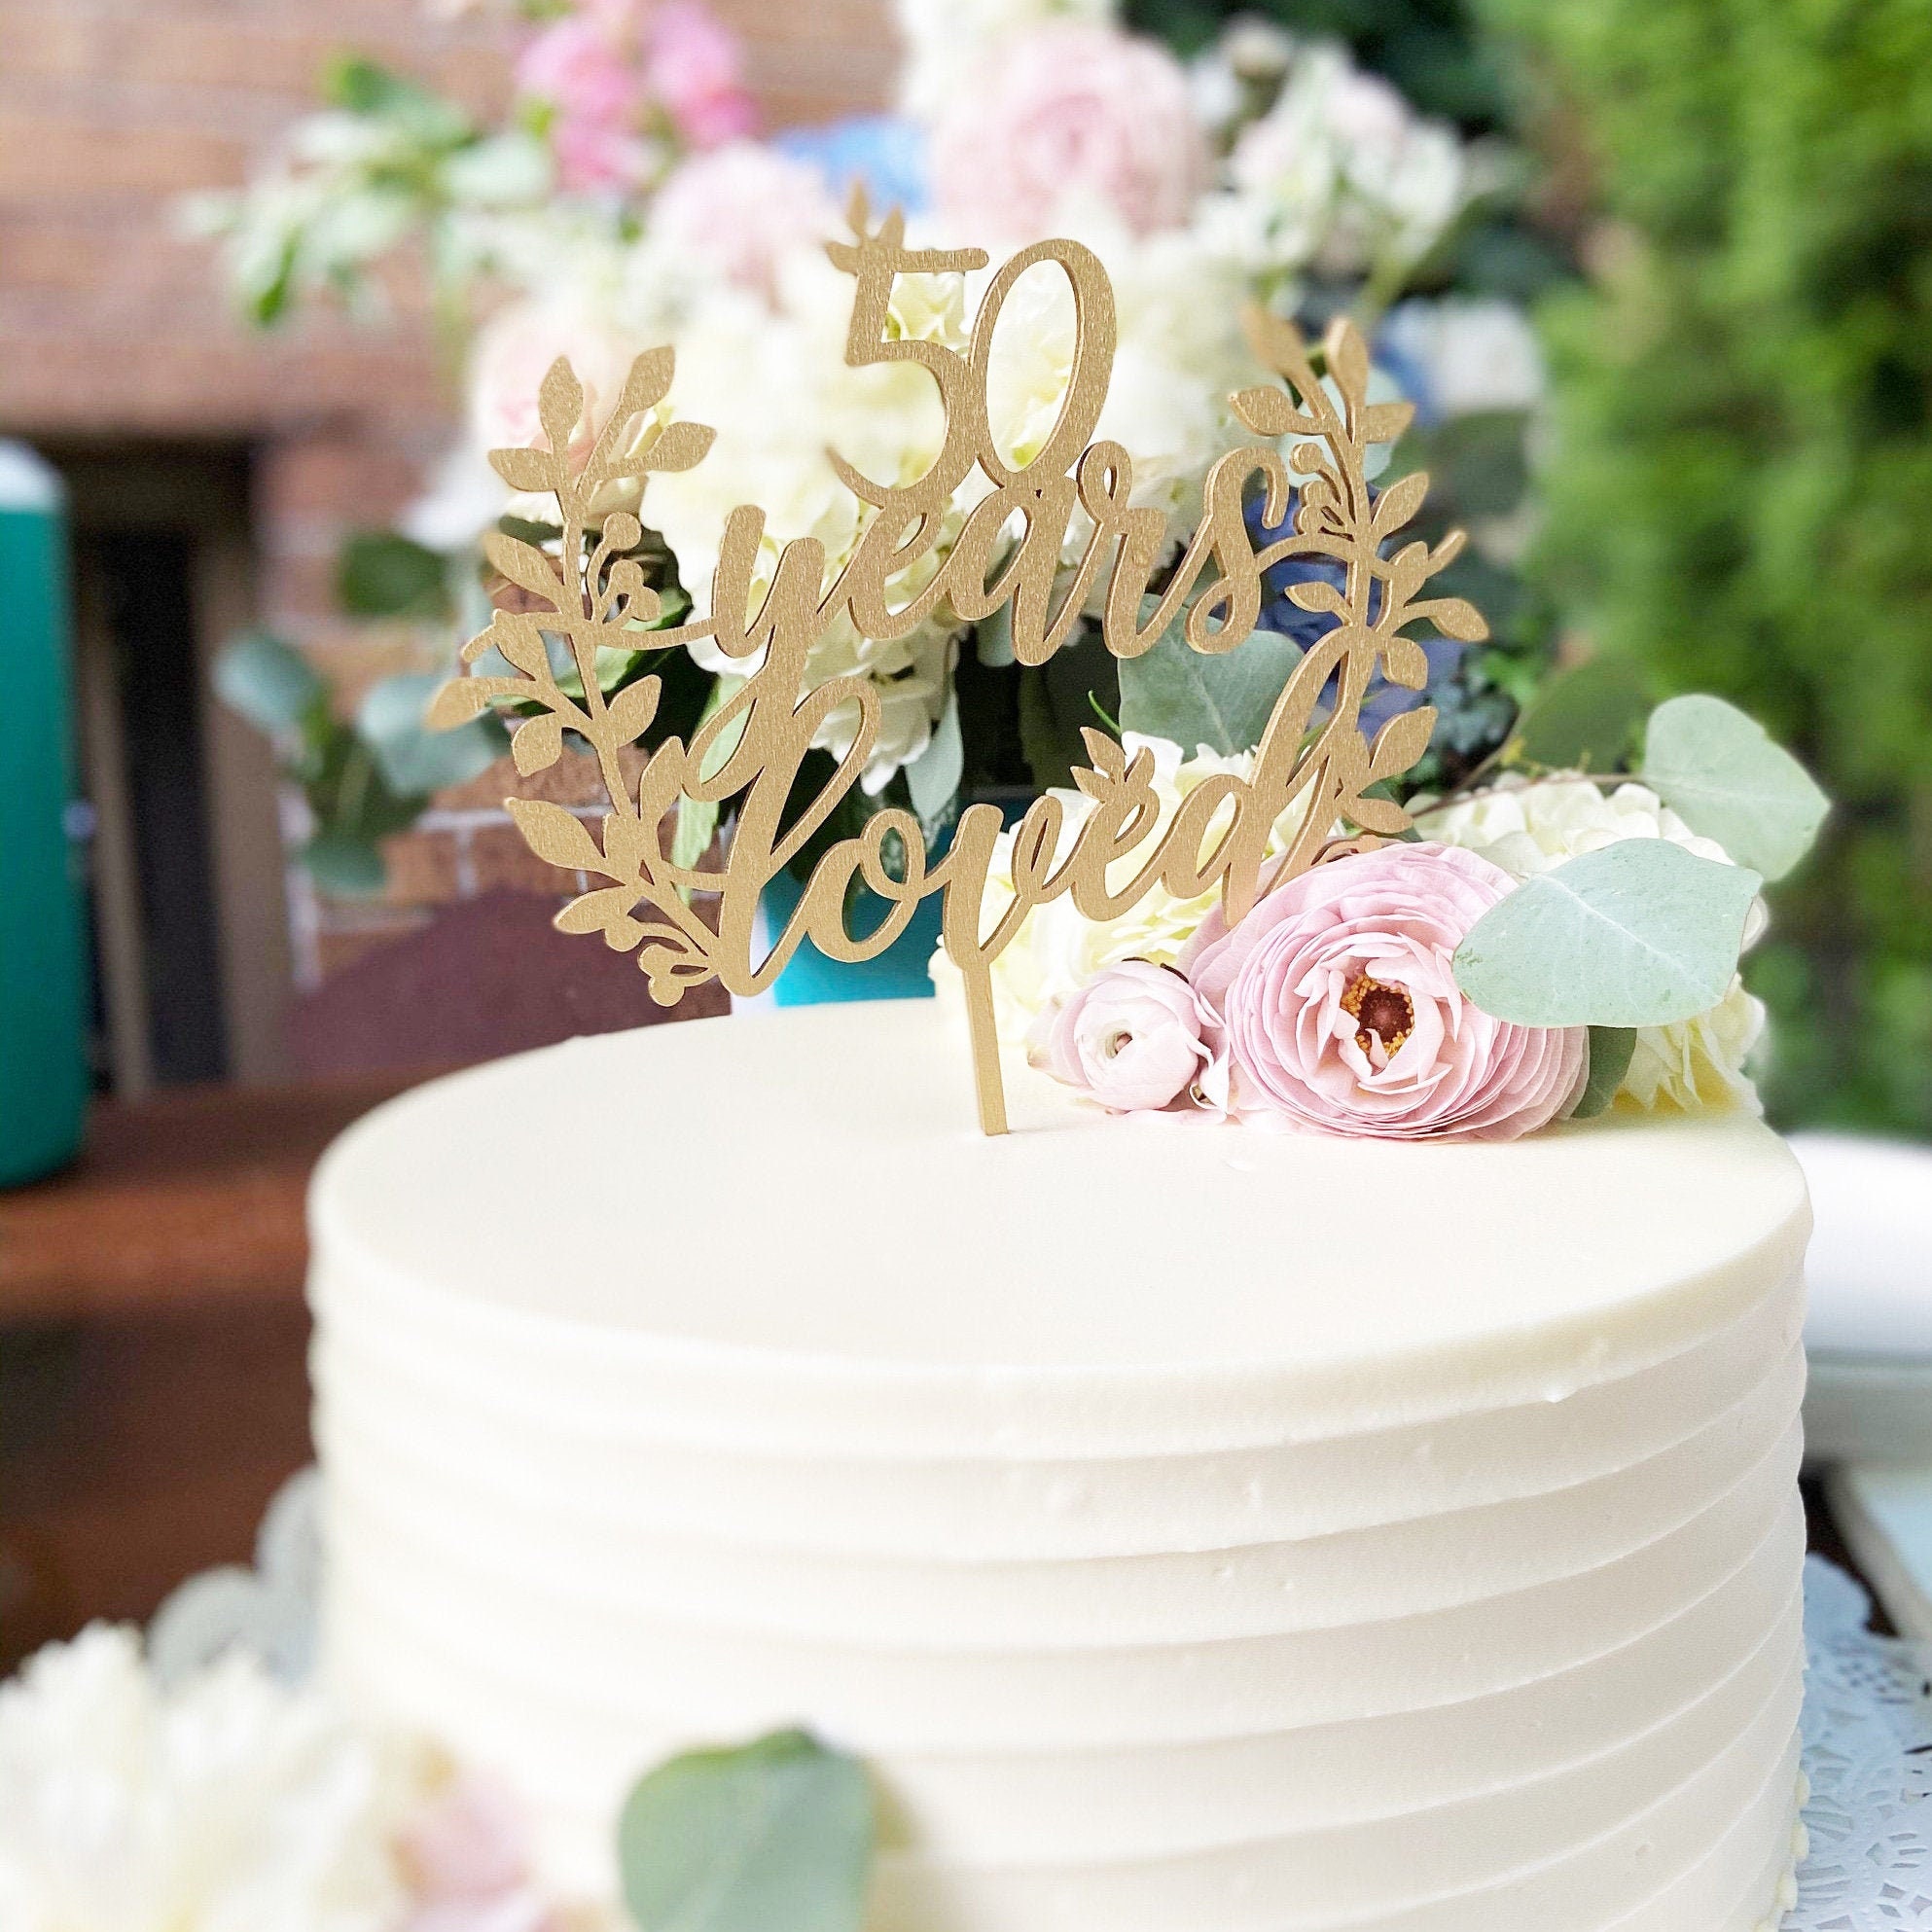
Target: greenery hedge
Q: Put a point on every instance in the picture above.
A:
(1740, 490)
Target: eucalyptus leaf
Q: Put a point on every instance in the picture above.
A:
(411, 756)
(345, 865)
(1641, 932)
(1611, 1051)
(992, 638)
(1222, 701)
(1586, 718)
(773, 1837)
(697, 827)
(1725, 778)
(383, 574)
(933, 777)
(270, 681)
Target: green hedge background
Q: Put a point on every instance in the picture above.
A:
(1737, 490)
(1739, 494)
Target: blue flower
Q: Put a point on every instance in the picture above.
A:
(882, 153)
(1385, 701)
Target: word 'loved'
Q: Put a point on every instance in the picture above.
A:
(1008, 553)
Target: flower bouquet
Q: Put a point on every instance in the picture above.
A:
(627, 202)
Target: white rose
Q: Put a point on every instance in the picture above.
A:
(1699, 1063)
(1057, 949)
(1530, 826)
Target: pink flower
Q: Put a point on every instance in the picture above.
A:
(512, 353)
(1337, 1004)
(743, 207)
(1068, 111)
(582, 71)
(589, 157)
(466, 1860)
(694, 67)
(1131, 1038)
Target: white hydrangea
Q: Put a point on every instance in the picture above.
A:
(1180, 355)
(1530, 826)
(1342, 175)
(225, 1804)
(1057, 948)
(774, 384)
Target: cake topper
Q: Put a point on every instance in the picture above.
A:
(1313, 758)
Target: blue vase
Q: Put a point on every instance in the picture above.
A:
(810, 979)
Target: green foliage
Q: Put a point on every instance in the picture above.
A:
(357, 796)
(1717, 769)
(382, 573)
(1583, 718)
(268, 681)
(1640, 933)
(414, 759)
(1174, 691)
(1611, 1052)
(1741, 490)
(773, 1837)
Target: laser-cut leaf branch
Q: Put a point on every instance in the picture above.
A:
(1340, 519)
(594, 602)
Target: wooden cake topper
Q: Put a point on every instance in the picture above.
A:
(1313, 754)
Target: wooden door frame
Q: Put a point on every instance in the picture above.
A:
(203, 491)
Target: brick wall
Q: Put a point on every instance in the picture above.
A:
(112, 324)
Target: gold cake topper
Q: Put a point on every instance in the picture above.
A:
(1312, 753)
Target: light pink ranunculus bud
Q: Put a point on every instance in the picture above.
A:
(470, 1841)
(694, 67)
(1131, 1038)
(1337, 1004)
(743, 207)
(1067, 112)
(466, 1860)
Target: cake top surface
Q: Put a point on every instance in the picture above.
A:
(809, 1183)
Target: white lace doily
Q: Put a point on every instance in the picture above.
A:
(1868, 1714)
(1867, 1753)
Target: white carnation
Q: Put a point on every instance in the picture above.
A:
(227, 1804)
(1057, 948)
(1530, 826)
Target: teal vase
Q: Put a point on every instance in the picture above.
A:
(42, 960)
(810, 979)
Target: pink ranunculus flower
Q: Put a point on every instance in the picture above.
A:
(695, 68)
(1337, 1004)
(1133, 1039)
(1067, 112)
(743, 207)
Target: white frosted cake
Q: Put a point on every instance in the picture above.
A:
(1195, 1528)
